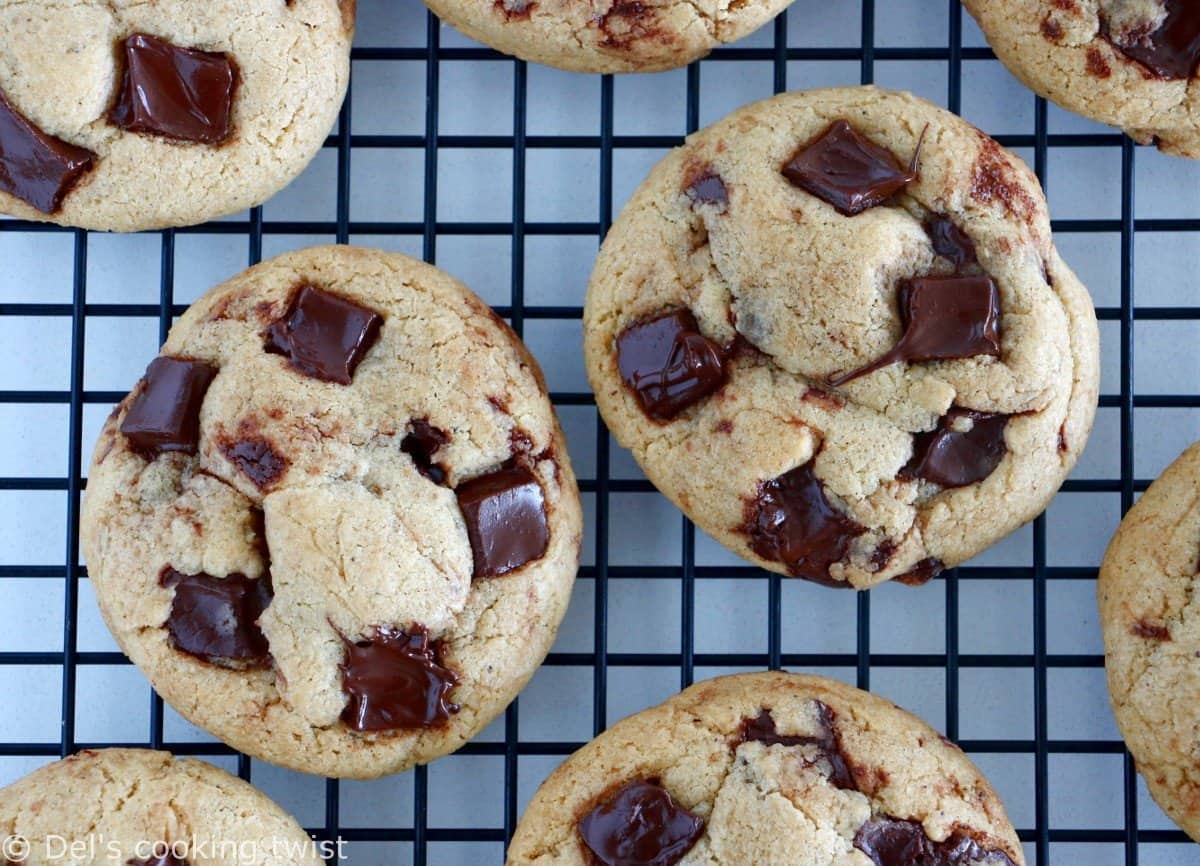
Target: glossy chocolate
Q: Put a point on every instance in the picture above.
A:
(668, 364)
(708, 188)
(944, 318)
(891, 842)
(216, 618)
(848, 170)
(921, 573)
(792, 522)
(421, 443)
(949, 241)
(165, 414)
(640, 825)
(257, 459)
(1173, 50)
(951, 458)
(324, 335)
(396, 679)
(37, 168)
(505, 514)
(178, 93)
(761, 729)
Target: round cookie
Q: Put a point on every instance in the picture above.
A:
(336, 524)
(121, 115)
(607, 35)
(1150, 611)
(773, 769)
(146, 809)
(1129, 63)
(833, 328)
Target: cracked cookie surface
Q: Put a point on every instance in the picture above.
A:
(607, 35)
(767, 768)
(228, 101)
(124, 805)
(336, 524)
(735, 290)
(1150, 611)
(1128, 63)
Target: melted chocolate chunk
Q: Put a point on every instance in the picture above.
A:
(421, 444)
(396, 679)
(257, 459)
(890, 842)
(951, 458)
(505, 514)
(37, 168)
(668, 364)
(1173, 50)
(216, 618)
(178, 93)
(761, 729)
(324, 336)
(949, 241)
(165, 415)
(921, 573)
(708, 188)
(640, 825)
(165, 860)
(848, 170)
(944, 318)
(792, 522)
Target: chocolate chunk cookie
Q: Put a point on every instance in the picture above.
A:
(124, 116)
(133, 806)
(606, 35)
(335, 523)
(772, 769)
(1149, 610)
(833, 328)
(1129, 63)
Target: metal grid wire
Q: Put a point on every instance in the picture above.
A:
(1041, 836)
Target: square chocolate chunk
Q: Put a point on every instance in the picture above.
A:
(37, 168)
(506, 520)
(324, 335)
(668, 364)
(848, 170)
(165, 414)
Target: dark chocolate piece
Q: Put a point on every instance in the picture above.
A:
(708, 188)
(944, 318)
(891, 842)
(421, 444)
(325, 336)
(668, 364)
(178, 93)
(1173, 50)
(848, 170)
(949, 241)
(165, 414)
(792, 522)
(949, 458)
(396, 679)
(761, 729)
(505, 513)
(165, 860)
(640, 825)
(37, 168)
(921, 573)
(216, 618)
(257, 459)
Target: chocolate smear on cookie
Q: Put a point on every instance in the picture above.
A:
(257, 459)
(849, 171)
(216, 618)
(325, 336)
(761, 729)
(792, 522)
(668, 364)
(892, 842)
(178, 93)
(396, 679)
(944, 318)
(1171, 51)
(640, 825)
(505, 513)
(165, 413)
(37, 168)
(965, 447)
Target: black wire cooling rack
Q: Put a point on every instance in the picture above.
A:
(1124, 843)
